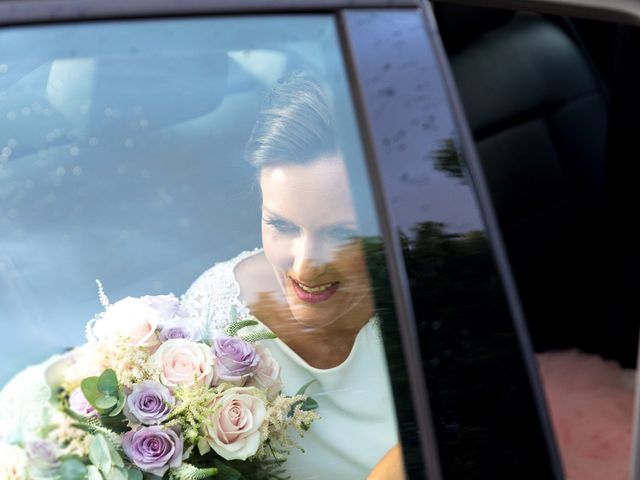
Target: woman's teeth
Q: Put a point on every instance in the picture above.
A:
(318, 289)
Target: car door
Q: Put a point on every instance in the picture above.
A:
(124, 128)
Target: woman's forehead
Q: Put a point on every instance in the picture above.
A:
(317, 192)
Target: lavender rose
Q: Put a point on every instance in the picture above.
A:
(149, 403)
(180, 328)
(42, 455)
(153, 449)
(80, 405)
(235, 360)
(168, 306)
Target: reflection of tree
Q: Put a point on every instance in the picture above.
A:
(479, 392)
(447, 159)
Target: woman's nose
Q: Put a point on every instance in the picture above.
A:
(310, 259)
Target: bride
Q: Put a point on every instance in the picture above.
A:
(308, 284)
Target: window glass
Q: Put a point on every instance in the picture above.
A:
(486, 413)
(548, 99)
(215, 159)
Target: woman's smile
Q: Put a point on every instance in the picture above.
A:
(314, 294)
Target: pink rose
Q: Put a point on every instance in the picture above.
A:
(233, 430)
(132, 319)
(182, 362)
(267, 375)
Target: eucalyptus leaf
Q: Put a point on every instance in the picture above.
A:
(303, 388)
(89, 387)
(122, 398)
(116, 459)
(117, 474)
(108, 383)
(100, 453)
(134, 474)
(72, 469)
(106, 402)
(93, 473)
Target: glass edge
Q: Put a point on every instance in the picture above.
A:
(485, 206)
(395, 262)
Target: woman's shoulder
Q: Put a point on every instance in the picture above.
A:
(24, 400)
(213, 294)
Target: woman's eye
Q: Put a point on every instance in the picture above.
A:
(282, 226)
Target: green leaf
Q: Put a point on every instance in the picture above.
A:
(122, 398)
(225, 472)
(303, 388)
(116, 459)
(105, 403)
(108, 383)
(72, 469)
(93, 473)
(134, 474)
(100, 453)
(90, 390)
(309, 404)
(117, 474)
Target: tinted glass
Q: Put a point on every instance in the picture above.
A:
(475, 355)
(215, 159)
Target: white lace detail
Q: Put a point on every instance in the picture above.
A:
(25, 403)
(215, 292)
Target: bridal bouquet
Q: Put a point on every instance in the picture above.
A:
(152, 396)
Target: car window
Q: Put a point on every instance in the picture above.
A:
(544, 97)
(477, 360)
(215, 161)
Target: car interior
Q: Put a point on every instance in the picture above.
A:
(547, 102)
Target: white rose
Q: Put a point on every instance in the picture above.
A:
(132, 319)
(182, 362)
(80, 363)
(13, 462)
(267, 374)
(233, 430)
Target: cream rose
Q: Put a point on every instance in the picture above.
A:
(13, 462)
(82, 362)
(132, 319)
(233, 430)
(182, 362)
(267, 374)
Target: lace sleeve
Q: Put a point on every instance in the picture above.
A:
(25, 404)
(214, 293)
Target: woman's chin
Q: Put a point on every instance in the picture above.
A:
(311, 316)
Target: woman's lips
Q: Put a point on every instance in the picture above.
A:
(316, 294)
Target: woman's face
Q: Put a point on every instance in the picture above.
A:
(309, 235)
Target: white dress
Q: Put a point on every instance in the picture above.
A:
(358, 424)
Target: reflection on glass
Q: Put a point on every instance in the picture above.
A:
(481, 397)
(125, 163)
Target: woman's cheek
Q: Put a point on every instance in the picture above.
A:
(277, 249)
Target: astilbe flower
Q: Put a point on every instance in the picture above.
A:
(72, 440)
(280, 418)
(192, 410)
(131, 363)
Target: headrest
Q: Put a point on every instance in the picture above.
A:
(460, 24)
